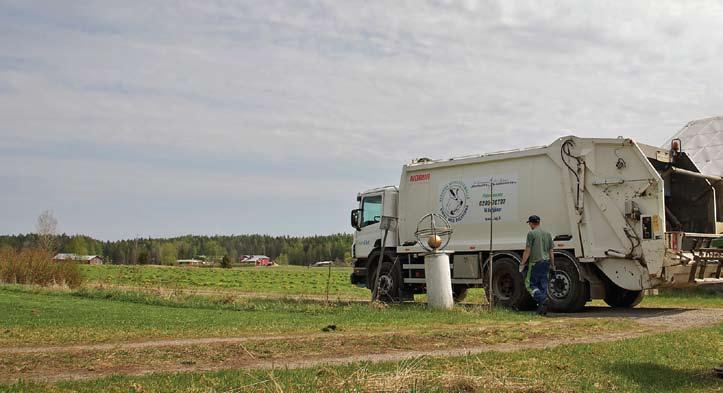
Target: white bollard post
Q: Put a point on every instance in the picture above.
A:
(439, 281)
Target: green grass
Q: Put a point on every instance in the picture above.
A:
(674, 362)
(697, 299)
(682, 299)
(291, 280)
(298, 280)
(40, 316)
(32, 316)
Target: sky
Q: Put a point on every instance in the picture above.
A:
(136, 118)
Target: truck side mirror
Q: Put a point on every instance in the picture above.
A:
(355, 214)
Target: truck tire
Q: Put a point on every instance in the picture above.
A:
(390, 284)
(566, 292)
(372, 261)
(459, 292)
(508, 285)
(620, 297)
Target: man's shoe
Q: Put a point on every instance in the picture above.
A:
(542, 309)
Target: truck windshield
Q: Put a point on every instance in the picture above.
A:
(372, 210)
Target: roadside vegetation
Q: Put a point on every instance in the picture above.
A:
(35, 266)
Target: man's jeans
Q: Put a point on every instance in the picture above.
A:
(536, 280)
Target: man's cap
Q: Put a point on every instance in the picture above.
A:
(534, 219)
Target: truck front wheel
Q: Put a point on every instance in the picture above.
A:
(622, 298)
(389, 282)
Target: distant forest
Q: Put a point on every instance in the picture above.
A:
(282, 249)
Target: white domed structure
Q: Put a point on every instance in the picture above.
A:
(702, 141)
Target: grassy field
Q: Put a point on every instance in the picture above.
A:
(35, 317)
(659, 363)
(89, 315)
(280, 315)
(297, 280)
(270, 329)
(291, 280)
(684, 300)
(700, 299)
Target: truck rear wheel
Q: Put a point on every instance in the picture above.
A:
(567, 293)
(622, 298)
(508, 285)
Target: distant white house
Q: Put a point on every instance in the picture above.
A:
(87, 259)
(258, 260)
(190, 262)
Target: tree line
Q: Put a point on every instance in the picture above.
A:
(282, 249)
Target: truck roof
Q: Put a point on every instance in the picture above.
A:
(378, 189)
(425, 163)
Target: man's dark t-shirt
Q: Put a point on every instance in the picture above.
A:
(540, 243)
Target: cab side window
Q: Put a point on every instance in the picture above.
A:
(372, 210)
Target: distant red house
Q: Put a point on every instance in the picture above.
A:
(257, 260)
(87, 259)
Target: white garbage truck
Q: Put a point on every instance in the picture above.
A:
(625, 217)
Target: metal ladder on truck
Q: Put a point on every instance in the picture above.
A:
(705, 256)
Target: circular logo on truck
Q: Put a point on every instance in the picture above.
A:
(453, 201)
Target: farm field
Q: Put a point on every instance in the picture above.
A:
(296, 281)
(285, 280)
(154, 329)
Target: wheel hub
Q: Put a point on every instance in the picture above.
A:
(386, 283)
(559, 284)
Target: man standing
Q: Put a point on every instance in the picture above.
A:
(540, 255)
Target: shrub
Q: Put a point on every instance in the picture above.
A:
(33, 266)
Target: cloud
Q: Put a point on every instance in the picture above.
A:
(300, 97)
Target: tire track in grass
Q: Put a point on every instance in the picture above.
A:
(667, 319)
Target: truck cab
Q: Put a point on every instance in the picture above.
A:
(365, 219)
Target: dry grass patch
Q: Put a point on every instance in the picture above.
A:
(414, 376)
(33, 266)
